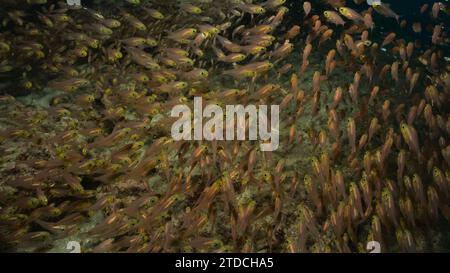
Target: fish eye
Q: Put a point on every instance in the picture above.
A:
(56, 212)
(28, 85)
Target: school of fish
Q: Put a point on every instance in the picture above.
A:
(85, 126)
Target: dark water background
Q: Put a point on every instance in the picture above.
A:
(408, 10)
(405, 8)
